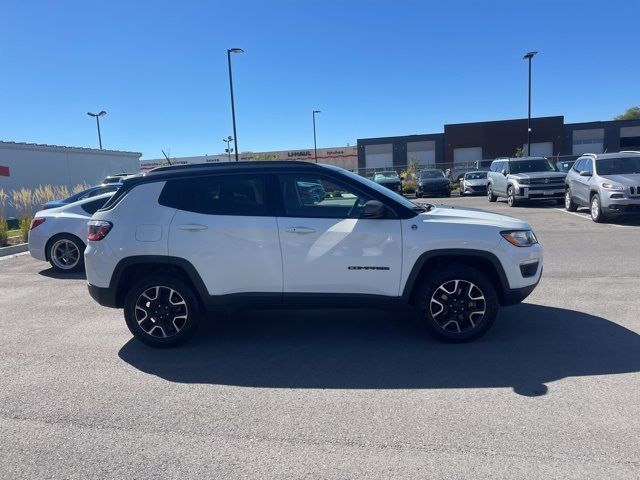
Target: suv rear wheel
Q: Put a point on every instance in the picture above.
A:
(161, 311)
(569, 205)
(457, 303)
(490, 196)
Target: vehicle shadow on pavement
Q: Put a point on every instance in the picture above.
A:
(529, 346)
(51, 273)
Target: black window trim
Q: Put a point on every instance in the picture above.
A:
(270, 207)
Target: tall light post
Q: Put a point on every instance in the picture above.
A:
(228, 140)
(102, 113)
(233, 107)
(529, 56)
(315, 147)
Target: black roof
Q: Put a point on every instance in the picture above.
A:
(196, 169)
(226, 166)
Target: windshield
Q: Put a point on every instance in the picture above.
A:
(530, 166)
(618, 166)
(475, 176)
(379, 188)
(564, 166)
(432, 174)
(386, 176)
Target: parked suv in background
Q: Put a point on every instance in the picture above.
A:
(181, 240)
(524, 178)
(607, 183)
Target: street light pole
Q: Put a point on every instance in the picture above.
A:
(102, 113)
(529, 56)
(228, 140)
(315, 146)
(233, 107)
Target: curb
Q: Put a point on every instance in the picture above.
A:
(13, 249)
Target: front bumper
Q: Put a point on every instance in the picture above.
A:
(436, 189)
(475, 189)
(539, 192)
(620, 202)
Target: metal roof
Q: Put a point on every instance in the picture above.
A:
(43, 146)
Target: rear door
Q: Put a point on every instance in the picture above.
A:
(327, 248)
(581, 184)
(226, 229)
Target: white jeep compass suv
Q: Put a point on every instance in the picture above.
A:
(182, 240)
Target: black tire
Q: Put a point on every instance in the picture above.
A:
(595, 209)
(418, 195)
(490, 196)
(69, 259)
(569, 204)
(427, 305)
(150, 329)
(511, 197)
(461, 193)
(448, 194)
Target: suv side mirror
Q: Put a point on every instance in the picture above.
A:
(504, 172)
(585, 173)
(374, 209)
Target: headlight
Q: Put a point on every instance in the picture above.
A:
(612, 186)
(520, 238)
(524, 181)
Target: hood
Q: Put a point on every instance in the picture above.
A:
(447, 213)
(628, 179)
(551, 175)
(481, 181)
(433, 180)
(388, 180)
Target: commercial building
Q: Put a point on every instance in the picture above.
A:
(465, 143)
(345, 157)
(29, 165)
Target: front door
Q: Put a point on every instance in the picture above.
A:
(326, 246)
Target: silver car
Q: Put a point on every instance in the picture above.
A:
(607, 183)
(473, 183)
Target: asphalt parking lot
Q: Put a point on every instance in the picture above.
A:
(550, 392)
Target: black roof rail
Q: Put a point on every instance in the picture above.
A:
(233, 165)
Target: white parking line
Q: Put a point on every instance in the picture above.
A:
(587, 217)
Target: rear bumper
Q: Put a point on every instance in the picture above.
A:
(104, 296)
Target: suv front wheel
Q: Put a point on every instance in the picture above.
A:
(511, 197)
(161, 311)
(457, 303)
(596, 209)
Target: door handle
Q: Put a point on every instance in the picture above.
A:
(192, 227)
(300, 230)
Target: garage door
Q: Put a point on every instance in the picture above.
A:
(467, 155)
(378, 156)
(540, 149)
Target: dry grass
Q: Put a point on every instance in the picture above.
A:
(24, 202)
(61, 191)
(79, 188)
(4, 228)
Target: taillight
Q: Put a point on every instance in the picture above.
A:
(36, 221)
(98, 229)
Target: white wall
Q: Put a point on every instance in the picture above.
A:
(378, 156)
(33, 165)
(425, 152)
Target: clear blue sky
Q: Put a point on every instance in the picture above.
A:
(374, 68)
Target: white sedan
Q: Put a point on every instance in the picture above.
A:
(58, 235)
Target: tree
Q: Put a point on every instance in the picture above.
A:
(632, 113)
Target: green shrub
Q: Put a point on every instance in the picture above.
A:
(4, 230)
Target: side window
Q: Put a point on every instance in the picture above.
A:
(93, 207)
(578, 165)
(319, 197)
(494, 166)
(218, 195)
(587, 166)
